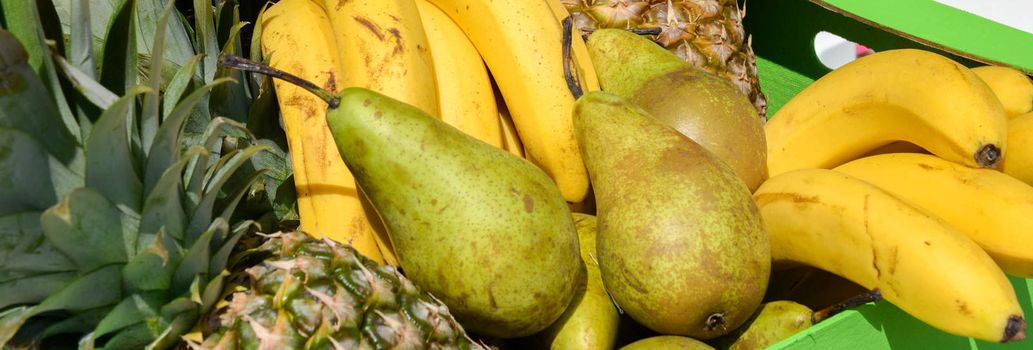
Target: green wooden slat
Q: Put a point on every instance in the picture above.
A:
(948, 26)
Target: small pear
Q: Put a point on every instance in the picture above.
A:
(681, 246)
(700, 105)
(667, 342)
(486, 232)
(772, 323)
(591, 320)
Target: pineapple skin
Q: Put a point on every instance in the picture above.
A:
(320, 294)
(705, 33)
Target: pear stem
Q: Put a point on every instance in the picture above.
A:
(638, 31)
(237, 62)
(573, 82)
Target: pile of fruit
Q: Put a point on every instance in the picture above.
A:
(465, 174)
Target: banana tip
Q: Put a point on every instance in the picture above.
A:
(988, 156)
(1015, 330)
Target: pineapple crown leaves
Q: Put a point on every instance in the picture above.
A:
(117, 207)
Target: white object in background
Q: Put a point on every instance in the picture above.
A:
(833, 51)
(1013, 13)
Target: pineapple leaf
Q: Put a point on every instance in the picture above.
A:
(78, 323)
(50, 23)
(243, 189)
(25, 105)
(11, 320)
(167, 141)
(208, 45)
(131, 338)
(164, 206)
(118, 71)
(80, 46)
(256, 48)
(149, 118)
(25, 182)
(32, 289)
(86, 227)
(94, 92)
(151, 269)
(23, 21)
(264, 115)
(213, 290)
(170, 336)
(179, 85)
(184, 314)
(132, 310)
(86, 342)
(100, 284)
(226, 167)
(232, 100)
(23, 249)
(195, 179)
(177, 46)
(196, 261)
(111, 166)
(222, 256)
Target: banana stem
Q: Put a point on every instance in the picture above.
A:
(237, 62)
(864, 298)
(573, 83)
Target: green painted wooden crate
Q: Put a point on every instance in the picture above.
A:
(783, 34)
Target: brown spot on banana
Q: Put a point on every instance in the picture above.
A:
(766, 198)
(399, 43)
(331, 82)
(963, 307)
(375, 29)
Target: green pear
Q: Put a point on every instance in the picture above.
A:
(667, 342)
(682, 249)
(700, 105)
(486, 232)
(773, 322)
(591, 320)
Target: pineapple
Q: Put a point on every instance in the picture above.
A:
(706, 33)
(317, 294)
(118, 214)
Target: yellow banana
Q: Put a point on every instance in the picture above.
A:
(992, 208)
(510, 140)
(382, 47)
(465, 94)
(896, 95)
(579, 50)
(1013, 88)
(1018, 162)
(846, 226)
(296, 37)
(521, 43)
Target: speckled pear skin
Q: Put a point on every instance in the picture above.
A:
(681, 246)
(706, 108)
(710, 111)
(486, 232)
(773, 322)
(667, 342)
(591, 321)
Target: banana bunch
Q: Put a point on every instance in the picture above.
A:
(440, 56)
(934, 231)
